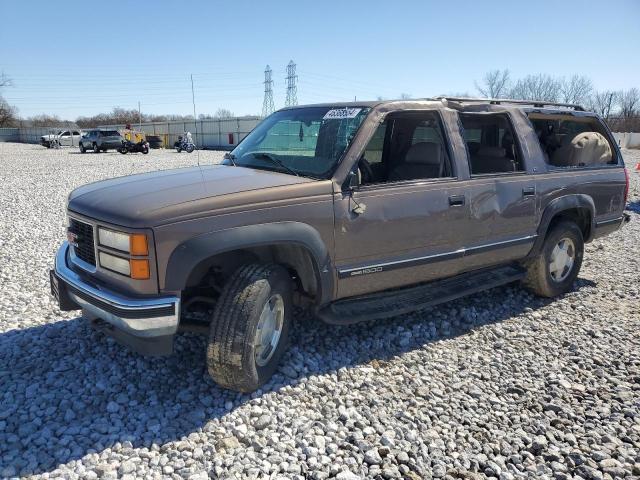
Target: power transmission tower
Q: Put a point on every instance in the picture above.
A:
(267, 105)
(292, 89)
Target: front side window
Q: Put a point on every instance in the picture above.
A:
(491, 143)
(307, 141)
(406, 146)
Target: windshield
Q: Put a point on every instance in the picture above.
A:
(306, 141)
(110, 133)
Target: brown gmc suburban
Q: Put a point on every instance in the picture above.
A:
(357, 211)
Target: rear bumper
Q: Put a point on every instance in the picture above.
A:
(132, 321)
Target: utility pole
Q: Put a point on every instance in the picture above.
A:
(292, 89)
(139, 117)
(267, 105)
(195, 119)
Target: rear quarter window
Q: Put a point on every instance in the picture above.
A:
(569, 141)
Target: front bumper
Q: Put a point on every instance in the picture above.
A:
(145, 324)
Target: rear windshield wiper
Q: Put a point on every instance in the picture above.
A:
(275, 161)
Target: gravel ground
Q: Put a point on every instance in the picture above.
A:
(500, 384)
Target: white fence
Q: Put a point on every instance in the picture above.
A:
(213, 133)
(627, 139)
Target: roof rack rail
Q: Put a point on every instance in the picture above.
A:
(499, 101)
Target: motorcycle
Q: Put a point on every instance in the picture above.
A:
(184, 144)
(129, 146)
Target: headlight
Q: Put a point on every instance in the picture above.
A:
(117, 264)
(135, 243)
(137, 269)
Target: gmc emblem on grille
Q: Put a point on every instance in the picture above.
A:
(72, 238)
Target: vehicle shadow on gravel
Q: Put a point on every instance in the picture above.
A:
(68, 390)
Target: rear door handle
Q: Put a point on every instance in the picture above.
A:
(456, 200)
(528, 191)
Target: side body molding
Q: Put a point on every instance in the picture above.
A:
(558, 205)
(189, 254)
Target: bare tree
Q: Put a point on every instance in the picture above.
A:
(223, 113)
(45, 120)
(603, 103)
(576, 89)
(537, 87)
(8, 113)
(495, 84)
(405, 96)
(630, 103)
(5, 81)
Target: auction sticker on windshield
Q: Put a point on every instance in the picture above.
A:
(340, 113)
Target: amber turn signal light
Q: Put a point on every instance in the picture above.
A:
(138, 244)
(139, 269)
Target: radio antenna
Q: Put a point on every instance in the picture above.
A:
(195, 119)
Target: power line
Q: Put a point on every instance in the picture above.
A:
(292, 89)
(267, 104)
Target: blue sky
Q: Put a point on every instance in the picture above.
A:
(81, 58)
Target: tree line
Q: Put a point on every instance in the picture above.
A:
(620, 108)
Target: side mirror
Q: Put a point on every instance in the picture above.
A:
(352, 180)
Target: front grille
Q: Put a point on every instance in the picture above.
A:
(85, 249)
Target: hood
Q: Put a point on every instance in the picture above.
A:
(150, 199)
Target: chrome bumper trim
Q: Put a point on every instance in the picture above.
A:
(142, 317)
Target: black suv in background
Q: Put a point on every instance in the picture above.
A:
(100, 140)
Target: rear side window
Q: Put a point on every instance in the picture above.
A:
(491, 143)
(570, 141)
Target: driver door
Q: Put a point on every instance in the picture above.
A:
(405, 225)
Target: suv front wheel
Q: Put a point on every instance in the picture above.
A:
(249, 329)
(553, 272)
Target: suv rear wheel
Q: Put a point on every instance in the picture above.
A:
(249, 329)
(553, 272)
(96, 149)
(82, 149)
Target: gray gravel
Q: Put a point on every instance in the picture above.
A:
(500, 384)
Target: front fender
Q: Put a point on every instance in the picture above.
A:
(188, 255)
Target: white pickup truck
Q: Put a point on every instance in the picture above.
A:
(65, 138)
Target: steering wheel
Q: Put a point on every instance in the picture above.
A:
(365, 170)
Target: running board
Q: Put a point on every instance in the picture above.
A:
(400, 301)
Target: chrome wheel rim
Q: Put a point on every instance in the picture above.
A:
(563, 257)
(269, 329)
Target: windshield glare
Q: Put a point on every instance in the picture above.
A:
(308, 141)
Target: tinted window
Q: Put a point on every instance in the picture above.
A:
(491, 143)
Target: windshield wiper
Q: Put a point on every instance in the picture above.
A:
(275, 161)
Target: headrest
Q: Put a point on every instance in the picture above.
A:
(424, 153)
(491, 151)
(587, 148)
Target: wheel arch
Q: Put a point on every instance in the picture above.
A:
(578, 208)
(295, 245)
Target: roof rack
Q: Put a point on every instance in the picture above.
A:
(499, 101)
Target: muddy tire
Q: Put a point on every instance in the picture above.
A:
(249, 329)
(554, 270)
